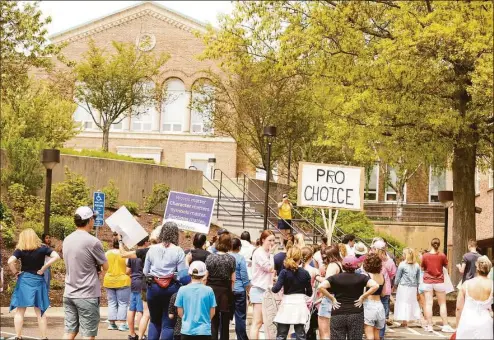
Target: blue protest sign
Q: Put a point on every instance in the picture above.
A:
(99, 207)
(190, 212)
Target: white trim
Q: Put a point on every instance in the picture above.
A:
(141, 152)
(190, 156)
(156, 135)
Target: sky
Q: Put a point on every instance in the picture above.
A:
(67, 14)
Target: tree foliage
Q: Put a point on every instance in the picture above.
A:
(23, 42)
(407, 83)
(113, 86)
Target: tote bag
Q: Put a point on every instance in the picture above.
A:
(448, 285)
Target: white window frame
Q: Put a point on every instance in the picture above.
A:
(201, 124)
(176, 127)
(430, 182)
(386, 192)
(477, 182)
(84, 122)
(141, 152)
(377, 187)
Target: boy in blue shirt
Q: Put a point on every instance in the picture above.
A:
(196, 305)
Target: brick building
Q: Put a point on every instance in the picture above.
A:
(171, 132)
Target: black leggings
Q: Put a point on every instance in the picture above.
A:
(220, 319)
(347, 326)
(311, 332)
(282, 331)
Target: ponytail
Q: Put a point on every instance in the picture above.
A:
(292, 258)
(435, 243)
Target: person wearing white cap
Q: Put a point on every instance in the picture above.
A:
(196, 304)
(83, 255)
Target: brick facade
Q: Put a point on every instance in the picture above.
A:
(175, 35)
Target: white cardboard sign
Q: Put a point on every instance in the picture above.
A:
(330, 186)
(123, 223)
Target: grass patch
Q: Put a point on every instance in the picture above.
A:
(106, 155)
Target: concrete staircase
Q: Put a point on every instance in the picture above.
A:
(229, 212)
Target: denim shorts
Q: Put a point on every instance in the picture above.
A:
(83, 314)
(256, 295)
(325, 308)
(136, 302)
(374, 314)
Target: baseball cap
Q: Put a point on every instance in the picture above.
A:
(379, 244)
(197, 268)
(285, 196)
(351, 261)
(85, 212)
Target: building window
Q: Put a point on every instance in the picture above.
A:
(390, 194)
(372, 183)
(491, 178)
(142, 118)
(437, 182)
(477, 182)
(82, 116)
(202, 107)
(174, 106)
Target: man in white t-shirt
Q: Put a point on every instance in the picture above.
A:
(246, 251)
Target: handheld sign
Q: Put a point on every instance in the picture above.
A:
(330, 186)
(190, 212)
(123, 223)
(99, 207)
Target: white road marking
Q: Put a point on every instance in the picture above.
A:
(413, 331)
(439, 334)
(24, 336)
(389, 330)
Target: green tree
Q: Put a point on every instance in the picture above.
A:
(23, 42)
(414, 77)
(113, 86)
(37, 111)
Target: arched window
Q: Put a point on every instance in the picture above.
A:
(175, 106)
(202, 107)
(142, 117)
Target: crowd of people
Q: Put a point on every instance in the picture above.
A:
(327, 291)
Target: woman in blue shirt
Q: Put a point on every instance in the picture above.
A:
(162, 262)
(240, 289)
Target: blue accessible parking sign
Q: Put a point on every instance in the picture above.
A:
(99, 208)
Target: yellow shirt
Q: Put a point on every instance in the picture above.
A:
(115, 277)
(285, 211)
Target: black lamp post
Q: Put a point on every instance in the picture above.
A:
(446, 199)
(269, 133)
(49, 158)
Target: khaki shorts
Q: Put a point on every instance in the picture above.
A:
(81, 314)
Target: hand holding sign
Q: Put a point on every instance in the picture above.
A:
(122, 222)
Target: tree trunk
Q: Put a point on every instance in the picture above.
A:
(399, 206)
(106, 135)
(463, 228)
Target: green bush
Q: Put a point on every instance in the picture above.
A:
(18, 197)
(105, 245)
(36, 210)
(111, 194)
(5, 214)
(23, 166)
(8, 234)
(58, 267)
(61, 226)
(70, 194)
(158, 196)
(57, 284)
(107, 155)
(37, 226)
(353, 222)
(132, 207)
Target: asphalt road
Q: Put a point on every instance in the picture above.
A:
(55, 331)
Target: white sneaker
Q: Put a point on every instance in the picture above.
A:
(428, 328)
(447, 329)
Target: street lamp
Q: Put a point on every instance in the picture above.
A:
(49, 158)
(446, 199)
(269, 133)
(211, 163)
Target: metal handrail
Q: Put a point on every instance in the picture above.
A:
(258, 200)
(313, 225)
